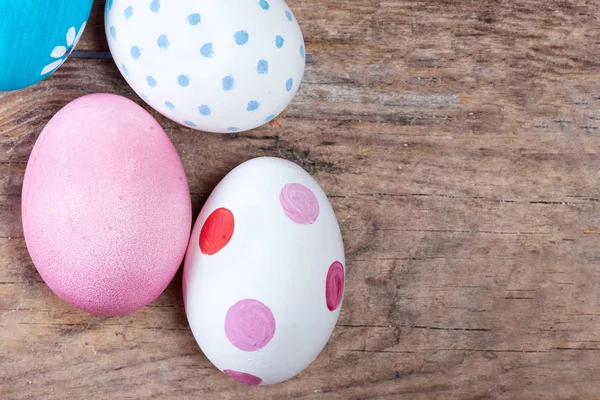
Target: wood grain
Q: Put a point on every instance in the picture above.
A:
(459, 144)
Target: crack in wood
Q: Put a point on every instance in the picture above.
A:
(380, 351)
(22, 163)
(433, 350)
(446, 196)
(577, 348)
(437, 328)
(457, 231)
(364, 326)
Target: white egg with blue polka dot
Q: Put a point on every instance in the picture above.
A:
(216, 66)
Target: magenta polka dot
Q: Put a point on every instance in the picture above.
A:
(249, 325)
(334, 286)
(299, 203)
(243, 377)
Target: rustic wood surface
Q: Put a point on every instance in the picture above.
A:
(459, 144)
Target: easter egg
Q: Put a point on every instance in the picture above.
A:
(37, 37)
(264, 272)
(106, 208)
(216, 66)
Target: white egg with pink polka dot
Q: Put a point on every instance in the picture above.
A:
(264, 273)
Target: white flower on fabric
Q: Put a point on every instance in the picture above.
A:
(63, 52)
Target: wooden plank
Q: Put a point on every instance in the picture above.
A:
(459, 143)
(94, 38)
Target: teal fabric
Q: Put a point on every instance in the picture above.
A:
(36, 36)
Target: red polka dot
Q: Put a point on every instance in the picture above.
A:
(249, 325)
(334, 286)
(299, 203)
(243, 377)
(216, 231)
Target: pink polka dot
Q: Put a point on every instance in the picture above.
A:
(249, 325)
(299, 203)
(334, 286)
(243, 377)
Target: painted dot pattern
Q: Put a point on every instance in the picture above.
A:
(143, 52)
(253, 106)
(228, 83)
(279, 41)
(163, 42)
(207, 50)
(243, 377)
(135, 53)
(263, 67)
(249, 325)
(183, 80)
(194, 19)
(241, 38)
(334, 286)
(217, 231)
(299, 203)
(155, 6)
(204, 110)
(264, 4)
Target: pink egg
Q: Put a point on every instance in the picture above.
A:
(106, 205)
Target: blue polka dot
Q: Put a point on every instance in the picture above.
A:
(233, 129)
(113, 32)
(263, 67)
(204, 110)
(151, 81)
(228, 83)
(207, 50)
(270, 117)
(279, 41)
(189, 123)
(135, 53)
(289, 84)
(183, 80)
(253, 106)
(241, 38)
(125, 70)
(155, 6)
(264, 4)
(128, 12)
(170, 105)
(194, 19)
(163, 41)
(288, 15)
(143, 96)
(109, 4)
(302, 51)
